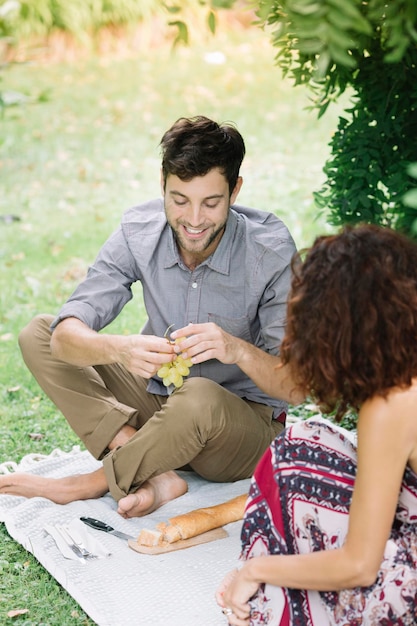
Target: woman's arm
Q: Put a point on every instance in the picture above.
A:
(387, 436)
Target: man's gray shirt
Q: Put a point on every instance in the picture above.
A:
(242, 287)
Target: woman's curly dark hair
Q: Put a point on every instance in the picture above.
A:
(352, 317)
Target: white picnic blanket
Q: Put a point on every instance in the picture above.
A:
(126, 588)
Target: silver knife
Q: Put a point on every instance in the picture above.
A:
(99, 525)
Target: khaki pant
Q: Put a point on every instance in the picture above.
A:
(201, 425)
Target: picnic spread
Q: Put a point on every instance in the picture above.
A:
(125, 583)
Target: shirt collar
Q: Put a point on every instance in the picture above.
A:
(219, 261)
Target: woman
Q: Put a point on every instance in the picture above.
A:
(330, 529)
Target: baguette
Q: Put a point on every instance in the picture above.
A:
(150, 538)
(202, 520)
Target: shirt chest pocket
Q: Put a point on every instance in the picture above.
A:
(236, 326)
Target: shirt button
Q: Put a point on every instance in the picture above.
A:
(194, 285)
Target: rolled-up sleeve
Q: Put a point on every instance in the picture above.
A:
(107, 287)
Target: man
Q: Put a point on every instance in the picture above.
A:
(218, 275)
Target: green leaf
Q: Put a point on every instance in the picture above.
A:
(182, 35)
(346, 22)
(265, 8)
(306, 8)
(339, 55)
(397, 53)
(310, 46)
(412, 170)
(348, 8)
(410, 198)
(322, 63)
(172, 9)
(211, 21)
(340, 39)
(222, 4)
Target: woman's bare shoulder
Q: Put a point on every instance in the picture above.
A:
(396, 413)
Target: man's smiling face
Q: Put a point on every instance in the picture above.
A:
(197, 212)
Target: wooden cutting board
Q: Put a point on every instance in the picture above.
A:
(211, 535)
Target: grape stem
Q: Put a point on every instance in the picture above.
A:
(166, 332)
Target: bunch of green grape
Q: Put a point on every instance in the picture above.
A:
(173, 373)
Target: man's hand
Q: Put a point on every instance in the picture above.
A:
(74, 342)
(208, 341)
(144, 354)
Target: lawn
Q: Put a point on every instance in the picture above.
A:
(74, 155)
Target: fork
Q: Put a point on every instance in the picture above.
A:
(75, 544)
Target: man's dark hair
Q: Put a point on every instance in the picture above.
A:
(194, 146)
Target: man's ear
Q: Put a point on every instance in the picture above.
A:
(161, 180)
(236, 190)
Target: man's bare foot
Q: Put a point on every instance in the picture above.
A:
(152, 494)
(59, 490)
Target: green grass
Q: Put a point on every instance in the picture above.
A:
(72, 160)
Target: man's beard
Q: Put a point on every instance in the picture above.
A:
(207, 244)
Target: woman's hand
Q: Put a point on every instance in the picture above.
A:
(234, 593)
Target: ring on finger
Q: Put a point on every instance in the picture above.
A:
(227, 611)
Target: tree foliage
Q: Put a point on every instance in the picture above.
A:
(322, 42)
(370, 48)
(373, 147)
(81, 18)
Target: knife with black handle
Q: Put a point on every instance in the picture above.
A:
(99, 525)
